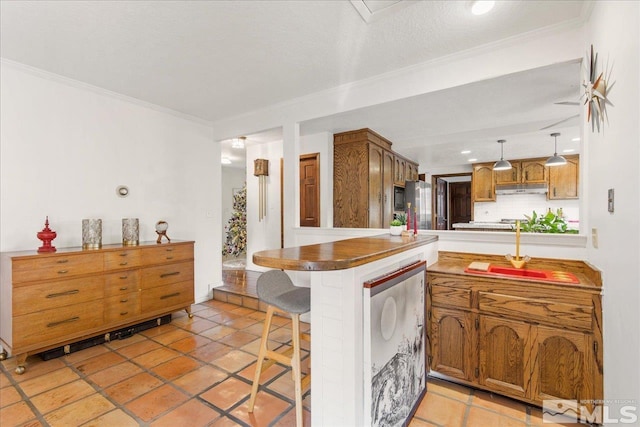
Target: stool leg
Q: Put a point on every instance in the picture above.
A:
(261, 355)
(295, 367)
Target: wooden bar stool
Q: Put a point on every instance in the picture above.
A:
(277, 290)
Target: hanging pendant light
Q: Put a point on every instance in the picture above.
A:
(556, 160)
(238, 142)
(502, 164)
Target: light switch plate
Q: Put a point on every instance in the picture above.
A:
(610, 200)
(594, 237)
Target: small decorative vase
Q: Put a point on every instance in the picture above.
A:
(130, 231)
(46, 235)
(91, 233)
(395, 230)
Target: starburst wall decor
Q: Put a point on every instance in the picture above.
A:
(596, 92)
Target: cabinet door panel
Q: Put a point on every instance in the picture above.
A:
(483, 183)
(375, 186)
(563, 180)
(387, 188)
(510, 176)
(504, 349)
(451, 343)
(561, 369)
(534, 172)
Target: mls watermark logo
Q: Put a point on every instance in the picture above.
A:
(560, 411)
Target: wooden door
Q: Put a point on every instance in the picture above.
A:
(376, 162)
(387, 188)
(452, 343)
(563, 180)
(442, 210)
(535, 172)
(483, 183)
(460, 206)
(561, 370)
(504, 355)
(310, 190)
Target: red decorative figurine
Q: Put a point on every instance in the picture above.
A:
(46, 235)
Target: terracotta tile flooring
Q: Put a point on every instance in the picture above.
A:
(198, 372)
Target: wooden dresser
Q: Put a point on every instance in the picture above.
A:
(53, 299)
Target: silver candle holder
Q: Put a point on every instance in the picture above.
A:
(91, 233)
(130, 231)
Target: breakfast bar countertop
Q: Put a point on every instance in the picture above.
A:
(339, 255)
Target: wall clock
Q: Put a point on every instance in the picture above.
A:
(596, 91)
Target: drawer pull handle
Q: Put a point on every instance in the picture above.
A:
(124, 254)
(124, 277)
(169, 249)
(61, 294)
(124, 288)
(63, 271)
(124, 263)
(62, 261)
(124, 300)
(175, 294)
(169, 257)
(124, 313)
(72, 319)
(175, 273)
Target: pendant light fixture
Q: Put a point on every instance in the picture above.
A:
(238, 142)
(556, 160)
(502, 164)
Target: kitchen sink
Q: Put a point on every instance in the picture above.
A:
(526, 273)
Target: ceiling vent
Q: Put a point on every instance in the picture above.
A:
(370, 10)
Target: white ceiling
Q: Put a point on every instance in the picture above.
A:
(218, 59)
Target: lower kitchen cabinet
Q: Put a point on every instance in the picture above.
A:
(526, 340)
(452, 343)
(504, 356)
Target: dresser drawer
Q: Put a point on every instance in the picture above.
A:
(166, 274)
(161, 297)
(122, 282)
(55, 267)
(49, 295)
(123, 259)
(164, 253)
(47, 325)
(451, 297)
(121, 307)
(537, 310)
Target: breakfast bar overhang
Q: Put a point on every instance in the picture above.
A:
(340, 314)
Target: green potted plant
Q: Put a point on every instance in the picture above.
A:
(547, 223)
(402, 217)
(395, 227)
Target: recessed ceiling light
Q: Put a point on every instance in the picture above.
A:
(472, 160)
(568, 150)
(465, 152)
(225, 161)
(576, 139)
(480, 7)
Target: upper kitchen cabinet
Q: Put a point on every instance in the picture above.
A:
(362, 180)
(530, 171)
(564, 180)
(483, 183)
(404, 170)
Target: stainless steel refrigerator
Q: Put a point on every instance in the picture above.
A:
(418, 193)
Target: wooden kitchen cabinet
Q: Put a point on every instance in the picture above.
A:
(564, 180)
(363, 180)
(54, 299)
(529, 171)
(411, 171)
(527, 340)
(483, 183)
(399, 171)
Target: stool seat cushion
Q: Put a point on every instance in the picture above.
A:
(276, 288)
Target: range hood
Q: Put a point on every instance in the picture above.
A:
(522, 189)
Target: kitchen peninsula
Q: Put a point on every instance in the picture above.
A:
(339, 273)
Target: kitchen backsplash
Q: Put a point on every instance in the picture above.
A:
(516, 206)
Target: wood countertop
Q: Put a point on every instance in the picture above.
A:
(339, 255)
(456, 262)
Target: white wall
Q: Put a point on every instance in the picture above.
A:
(613, 159)
(65, 147)
(232, 179)
(263, 234)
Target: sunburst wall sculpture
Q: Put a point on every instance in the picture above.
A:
(596, 92)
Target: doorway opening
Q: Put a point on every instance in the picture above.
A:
(451, 200)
